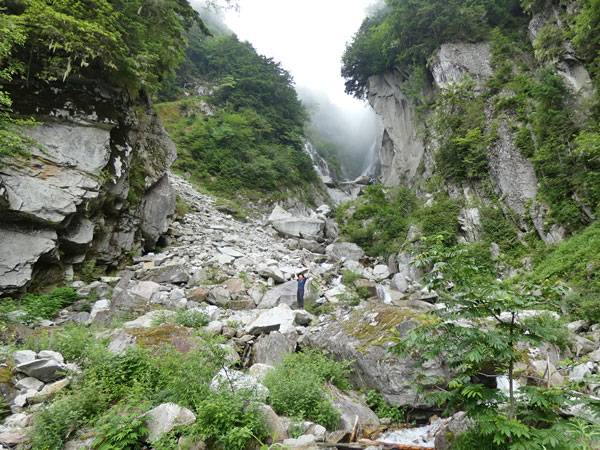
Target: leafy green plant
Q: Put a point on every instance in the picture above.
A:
(37, 307)
(378, 220)
(74, 342)
(375, 401)
(519, 419)
(296, 386)
(121, 430)
(4, 408)
(349, 277)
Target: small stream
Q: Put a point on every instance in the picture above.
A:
(419, 436)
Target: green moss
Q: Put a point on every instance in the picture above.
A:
(158, 336)
(379, 329)
(5, 375)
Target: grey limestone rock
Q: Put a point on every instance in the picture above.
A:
(272, 348)
(45, 369)
(174, 274)
(165, 417)
(351, 405)
(21, 249)
(345, 251)
(454, 60)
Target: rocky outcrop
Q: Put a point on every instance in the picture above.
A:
(453, 61)
(363, 336)
(402, 150)
(93, 188)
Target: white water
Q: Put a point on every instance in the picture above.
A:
(319, 163)
(372, 160)
(418, 436)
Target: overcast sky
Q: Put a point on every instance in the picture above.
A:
(308, 37)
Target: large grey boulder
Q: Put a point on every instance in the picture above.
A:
(45, 369)
(174, 274)
(300, 226)
(285, 293)
(272, 348)
(271, 320)
(352, 407)
(345, 251)
(296, 226)
(363, 336)
(165, 417)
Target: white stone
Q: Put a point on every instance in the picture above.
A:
(165, 417)
(52, 355)
(146, 289)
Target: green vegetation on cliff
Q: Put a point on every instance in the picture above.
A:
(552, 126)
(406, 33)
(246, 133)
(126, 44)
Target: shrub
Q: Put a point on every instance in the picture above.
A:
(375, 401)
(74, 342)
(121, 430)
(296, 386)
(38, 307)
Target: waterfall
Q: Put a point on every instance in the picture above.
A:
(372, 160)
(320, 165)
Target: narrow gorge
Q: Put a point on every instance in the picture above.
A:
(162, 185)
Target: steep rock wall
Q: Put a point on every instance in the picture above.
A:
(93, 188)
(407, 157)
(402, 149)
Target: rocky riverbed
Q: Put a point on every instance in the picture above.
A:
(240, 274)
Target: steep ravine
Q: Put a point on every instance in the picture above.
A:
(239, 274)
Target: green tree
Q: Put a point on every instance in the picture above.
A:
(478, 335)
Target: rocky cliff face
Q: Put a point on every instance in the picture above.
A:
(408, 142)
(94, 187)
(403, 147)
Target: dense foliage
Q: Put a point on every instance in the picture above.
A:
(296, 387)
(130, 44)
(33, 308)
(254, 139)
(526, 416)
(404, 33)
(113, 391)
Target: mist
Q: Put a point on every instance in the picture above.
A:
(313, 59)
(353, 131)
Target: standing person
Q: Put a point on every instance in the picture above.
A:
(300, 295)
